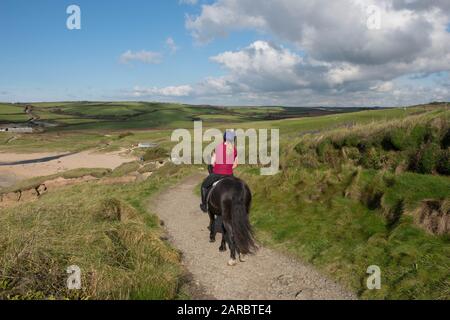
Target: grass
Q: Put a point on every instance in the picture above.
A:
(144, 115)
(105, 230)
(70, 174)
(334, 204)
(343, 215)
(308, 215)
(125, 169)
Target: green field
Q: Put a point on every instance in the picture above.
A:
(145, 115)
(356, 188)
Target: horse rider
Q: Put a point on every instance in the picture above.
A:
(224, 161)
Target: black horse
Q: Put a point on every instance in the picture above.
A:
(230, 201)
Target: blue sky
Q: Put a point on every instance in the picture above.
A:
(41, 60)
(39, 54)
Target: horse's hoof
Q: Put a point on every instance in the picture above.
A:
(212, 240)
(222, 249)
(242, 258)
(232, 262)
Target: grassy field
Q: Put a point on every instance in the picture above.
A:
(346, 199)
(358, 188)
(144, 115)
(106, 230)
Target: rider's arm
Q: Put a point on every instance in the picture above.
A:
(213, 159)
(235, 164)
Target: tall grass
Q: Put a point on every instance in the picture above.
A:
(106, 230)
(344, 201)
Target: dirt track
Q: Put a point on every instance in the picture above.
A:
(266, 275)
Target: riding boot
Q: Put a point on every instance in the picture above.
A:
(204, 192)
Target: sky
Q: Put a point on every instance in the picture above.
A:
(227, 52)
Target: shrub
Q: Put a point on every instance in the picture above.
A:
(432, 134)
(153, 154)
(125, 168)
(425, 159)
(301, 148)
(373, 193)
(110, 209)
(396, 140)
(351, 140)
(401, 139)
(445, 142)
(388, 144)
(149, 167)
(124, 135)
(371, 159)
(418, 136)
(322, 147)
(443, 163)
(351, 153)
(364, 144)
(327, 153)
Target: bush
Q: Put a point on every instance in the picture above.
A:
(418, 136)
(445, 143)
(323, 147)
(327, 153)
(443, 163)
(364, 145)
(432, 134)
(150, 167)
(125, 168)
(351, 153)
(157, 153)
(425, 159)
(401, 140)
(395, 140)
(124, 135)
(371, 159)
(110, 209)
(351, 140)
(301, 148)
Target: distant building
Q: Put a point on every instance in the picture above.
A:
(17, 130)
(146, 145)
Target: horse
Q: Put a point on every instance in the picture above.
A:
(230, 200)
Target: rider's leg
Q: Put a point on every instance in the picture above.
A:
(204, 193)
(207, 183)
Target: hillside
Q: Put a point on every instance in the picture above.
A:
(143, 115)
(355, 189)
(372, 194)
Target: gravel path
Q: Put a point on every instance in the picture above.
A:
(265, 275)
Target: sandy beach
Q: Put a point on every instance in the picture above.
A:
(9, 174)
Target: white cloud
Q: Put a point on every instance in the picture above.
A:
(143, 56)
(336, 31)
(387, 86)
(341, 56)
(330, 56)
(265, 74)
(170, 43)
(171, 91)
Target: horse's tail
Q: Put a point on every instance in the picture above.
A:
(242, 230)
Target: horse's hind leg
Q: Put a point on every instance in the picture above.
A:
(212, 229)
(231, 245)
(223, 245)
